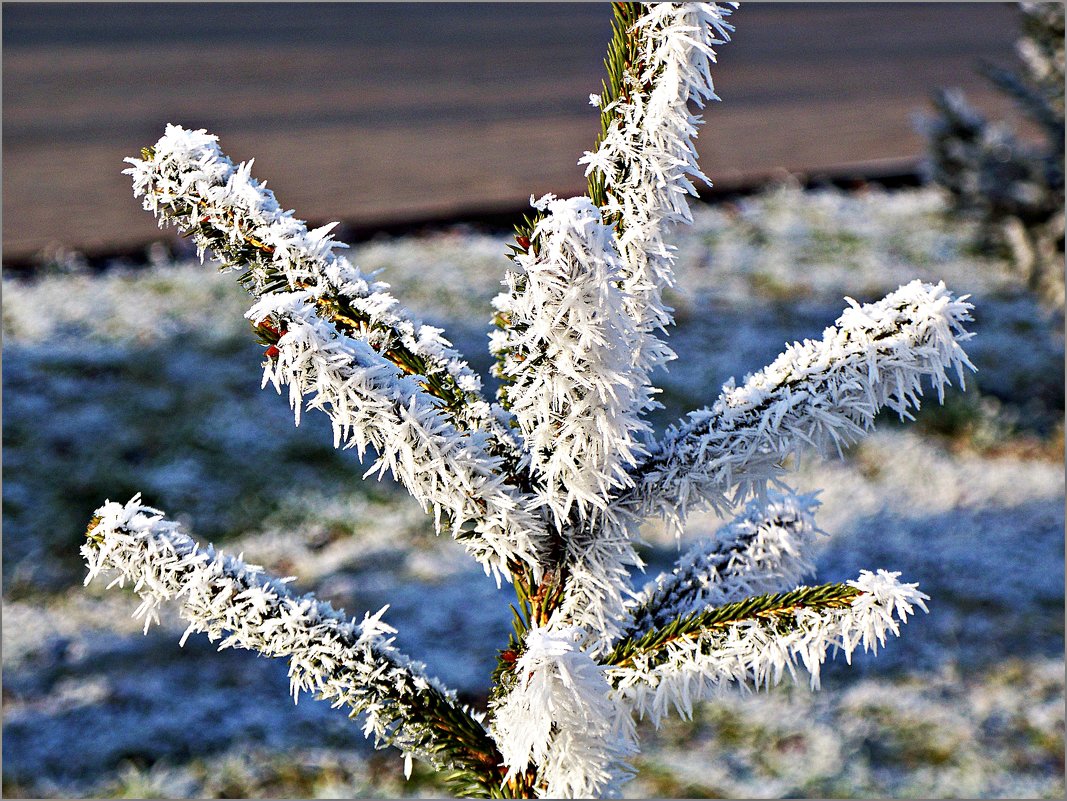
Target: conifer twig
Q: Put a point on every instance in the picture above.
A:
(817, 393)
(347, 663)
(565, 355)
(766, 549)
(644, 163)
(384, 381)
(756, 642)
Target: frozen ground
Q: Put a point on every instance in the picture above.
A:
(146, 380)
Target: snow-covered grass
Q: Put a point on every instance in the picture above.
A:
(147, 380)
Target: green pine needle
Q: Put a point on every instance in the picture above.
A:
(776, 609)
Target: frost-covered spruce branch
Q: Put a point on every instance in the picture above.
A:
(187, 181)
(384, 381)
(769, 548)
(350, 664)
(565, 355)
(644, 164)
(550, 486)
(640, 175)
(756, 642)
(819, 393)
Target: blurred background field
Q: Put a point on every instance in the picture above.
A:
(375, 114)
(146, 380)
(138, 374)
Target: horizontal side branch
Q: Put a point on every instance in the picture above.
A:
(756, 642)
(823, 394)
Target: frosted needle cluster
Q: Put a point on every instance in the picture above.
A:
(547, 485)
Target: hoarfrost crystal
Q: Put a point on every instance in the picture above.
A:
(558, 716)
(567, 359)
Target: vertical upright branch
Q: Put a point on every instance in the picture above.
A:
(644, 163)
(565, 355)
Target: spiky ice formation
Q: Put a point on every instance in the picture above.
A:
(384, 380)
(645, 163)
(566, 355)
(238, 605)
(557, 719)
(755, 643)
(767, 549)
(822, 393)
(186, 180)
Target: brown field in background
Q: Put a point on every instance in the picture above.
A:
(382, 113)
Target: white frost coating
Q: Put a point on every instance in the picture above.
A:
(368, 404)
(369, 400)
(188, 180)
(755, 654)
(647, 160)
(567, 355)
(577, 397)
(559, 719)
(560, 484)
(599, 560)
(817, 393)
(769, 548)
(238, 605)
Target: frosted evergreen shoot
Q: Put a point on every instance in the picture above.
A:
(385, 380)
(768, 548)
(821, 394)
(566, 355)
(757, 642)
(645, 162)
(559, 715)
(549, 487)
(351, 664)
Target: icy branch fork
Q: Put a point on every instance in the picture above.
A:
(385, 380)
(547, 488)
